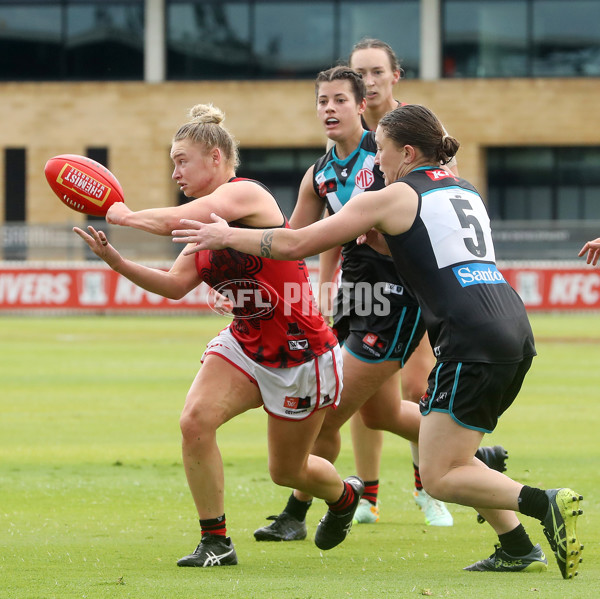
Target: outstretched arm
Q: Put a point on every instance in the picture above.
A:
(159, 221)
(235, 201)
(309, 206)
(391, 210)
(592, 248)
(281, 244)
(175, 284)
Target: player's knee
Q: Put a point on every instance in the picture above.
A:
(189, 427)
(373, 421)
(329, 432)
(194, 430)
(432, 483)
(331, 424)
(282, 476)
(413, 390)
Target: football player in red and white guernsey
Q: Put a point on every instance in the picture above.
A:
(277, 353)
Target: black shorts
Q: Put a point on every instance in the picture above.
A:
(475, 394)
(381, 338)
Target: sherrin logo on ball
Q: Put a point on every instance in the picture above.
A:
(83, 184)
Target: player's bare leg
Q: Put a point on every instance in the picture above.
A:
(451, 473)
(367, 445)
(219, 393)
(290, 525)
(414, 377)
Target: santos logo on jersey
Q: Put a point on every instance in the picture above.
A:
(478, 273)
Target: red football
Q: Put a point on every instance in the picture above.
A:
(83, 184)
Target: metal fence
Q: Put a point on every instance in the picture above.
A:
(514, 240)
(58, 242)
(542, 240)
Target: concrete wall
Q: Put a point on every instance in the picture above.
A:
(136, 121)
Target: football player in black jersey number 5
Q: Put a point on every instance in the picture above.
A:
(438, 233)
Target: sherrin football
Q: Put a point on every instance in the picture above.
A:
(83, 184)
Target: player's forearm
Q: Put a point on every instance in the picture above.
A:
(159, 221)
(280, 244)
(328, 264)
(150, 279)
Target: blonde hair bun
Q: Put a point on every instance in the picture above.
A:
(206, 114)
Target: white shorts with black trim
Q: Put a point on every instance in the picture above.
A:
(289, 393)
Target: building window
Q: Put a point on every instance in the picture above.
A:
(15, 184)
(544, 183)
(521, 38)
(236, 39)
(208, 40)
(71, 40)
(301, 50)
(281, 170)
(485, 39)
(14, 235)
(396, 23)
(543, 201)
(565, 38)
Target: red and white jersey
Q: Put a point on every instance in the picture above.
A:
(276, 319)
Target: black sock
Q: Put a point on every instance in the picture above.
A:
(296, 508)
(516, 542)
(533, 502)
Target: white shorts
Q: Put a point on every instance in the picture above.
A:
(289, 393)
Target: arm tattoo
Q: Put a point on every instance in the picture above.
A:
(265, 244)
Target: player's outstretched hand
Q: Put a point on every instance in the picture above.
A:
(592, 248)
(99, 245)
(205, 236)
(116, 214)
(375, 240)
(220, 303)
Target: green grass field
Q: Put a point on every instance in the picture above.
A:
(94, 503)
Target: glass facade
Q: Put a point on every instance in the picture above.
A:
(281, 170)
(15, 202)
(208, 40)
(397, 23)
(252, 39)
(544, 202)
(233, 39)
(544, 183)
(565, 38)
(71, 40)
(521, 38)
